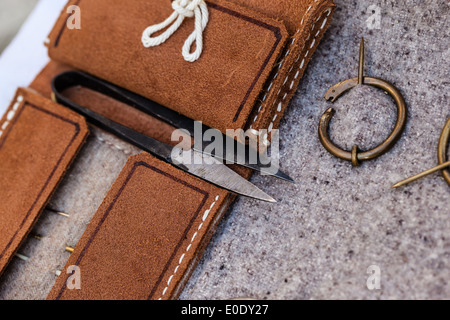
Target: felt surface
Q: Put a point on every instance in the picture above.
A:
(320, 239)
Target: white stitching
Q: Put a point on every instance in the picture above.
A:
(10, 115)
(300, 69)
(205, 216)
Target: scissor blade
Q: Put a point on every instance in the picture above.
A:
(215, 172)
(177, 120)
(262, 163)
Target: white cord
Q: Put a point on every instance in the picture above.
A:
(182, 9)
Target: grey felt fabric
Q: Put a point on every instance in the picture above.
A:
(326, 231)
(320, 239)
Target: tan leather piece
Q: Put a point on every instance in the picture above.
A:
(307, 25)
(38, 141)
(108, 107)
(306, 22)
(291, 12)
(42, 83)
(240, 49)
(146, 236)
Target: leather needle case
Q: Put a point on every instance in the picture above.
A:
(139, 225)
(38, 141)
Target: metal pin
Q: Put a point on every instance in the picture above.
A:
(361, 62)
(22, 257)
(37, 236)
(66, 215)
(423, 174)
(442, 151)
(70, 249)
(63, 214)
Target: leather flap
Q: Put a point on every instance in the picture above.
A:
(220, 89)
(38, 141)
(146, 236)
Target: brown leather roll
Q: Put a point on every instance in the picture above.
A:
(248, 71)
(147, 236)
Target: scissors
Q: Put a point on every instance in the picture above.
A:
(196, 162)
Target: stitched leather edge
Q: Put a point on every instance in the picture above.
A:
(282, 86)
(278, 33)
(21, 101)
(185, 254)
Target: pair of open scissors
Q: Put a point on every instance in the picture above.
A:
(206, 166)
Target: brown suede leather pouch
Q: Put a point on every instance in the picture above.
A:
(246, 67)
(38, 141)
(147, 236)
(241, 47)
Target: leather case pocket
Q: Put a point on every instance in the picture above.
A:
(156, 216)
(38, 141)
(306, 22)
(255, 53)
(241, 48)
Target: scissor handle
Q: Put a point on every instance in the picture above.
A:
(70, 79)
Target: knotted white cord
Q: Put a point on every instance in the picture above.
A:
(182, 9)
